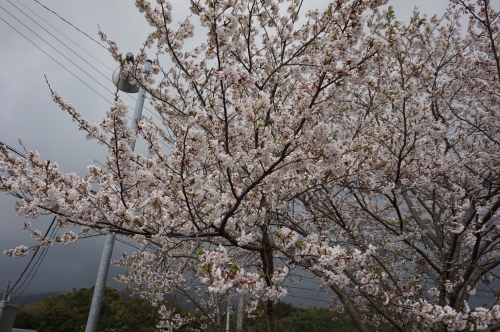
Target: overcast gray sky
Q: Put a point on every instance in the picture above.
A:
(28, 113)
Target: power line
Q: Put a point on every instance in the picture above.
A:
(309, 289)
(127, 243)
(55, 49)
(34, 255)
(106, 77)
(55, 60)
(71, 40)
(12, 149)
(75, 44)
(305, 298)
(42, 255)
(309, 279)
(50, 10)
(117, 239)
(155, 115)
(130, 244)
(107, 100)
(308, 298)
(69, 48)
(293, 310)
(44, 251)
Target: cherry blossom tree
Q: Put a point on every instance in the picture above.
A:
(424, 190)
(338, 142)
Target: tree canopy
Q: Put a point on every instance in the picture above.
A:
(340, 143)
(68, 312)
(121, 313)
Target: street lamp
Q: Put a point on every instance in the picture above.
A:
(102, 275)
(122, 84)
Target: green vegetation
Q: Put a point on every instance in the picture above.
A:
(122, 313)
(68, 313)
(293, 319)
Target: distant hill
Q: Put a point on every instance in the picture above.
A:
(68, 312)
(24, 300)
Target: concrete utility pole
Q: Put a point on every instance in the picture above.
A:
(8, 312)
(218, 312)
(102, 275)
(241, 312)
(228, 318)
(6, 291)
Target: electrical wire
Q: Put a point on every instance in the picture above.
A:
(37, 264)
(106, 77)
(12, 149)
(309, 298)
(41, 257)
(305, 298)
(68, 38)
(34, 255)
(50, 10)
(293, 310)
(309, 289)
(135, 99)
(69, 48)
(106, 99)
(117, 239)
(44, 253)
(65, 58)
(150, 247)
(128, 243)
(310, 279)
(55, 49)
(60, 64)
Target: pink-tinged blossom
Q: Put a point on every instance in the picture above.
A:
(68, 238)
(19, 251)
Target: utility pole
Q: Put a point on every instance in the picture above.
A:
(241, 312)
(8, 311)
(6, 291)
(102, 275)
(228, 322)
(218, 312)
